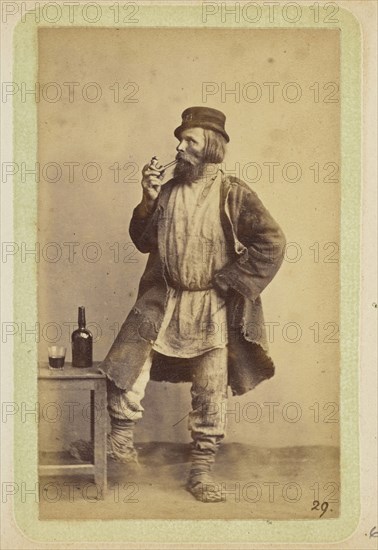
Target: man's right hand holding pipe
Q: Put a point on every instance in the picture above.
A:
(151, 183)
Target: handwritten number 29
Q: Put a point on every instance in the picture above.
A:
(323, 507)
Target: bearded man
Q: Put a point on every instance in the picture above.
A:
(213, 247)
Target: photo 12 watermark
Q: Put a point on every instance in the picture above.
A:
(72, 12)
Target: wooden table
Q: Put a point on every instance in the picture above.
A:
(89, 379)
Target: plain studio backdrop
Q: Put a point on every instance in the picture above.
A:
(122, 95)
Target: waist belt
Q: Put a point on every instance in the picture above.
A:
(179, 286)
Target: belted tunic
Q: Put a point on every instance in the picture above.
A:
(195, 248)
(243, 253)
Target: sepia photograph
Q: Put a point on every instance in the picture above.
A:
(191, 176)
(188, 316)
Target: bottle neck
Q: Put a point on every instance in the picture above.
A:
(81, 317)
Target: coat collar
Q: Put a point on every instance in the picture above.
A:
(166, 189)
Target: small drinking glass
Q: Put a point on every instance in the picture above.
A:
(57, 355)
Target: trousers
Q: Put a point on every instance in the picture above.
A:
(207, 419)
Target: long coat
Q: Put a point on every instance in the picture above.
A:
(256, 242)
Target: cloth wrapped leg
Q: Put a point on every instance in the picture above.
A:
(207, 422)
(120, 441)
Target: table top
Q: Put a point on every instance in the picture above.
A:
(69, 372)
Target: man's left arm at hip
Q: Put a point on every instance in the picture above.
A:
(264, 243)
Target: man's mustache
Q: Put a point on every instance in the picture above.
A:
(181, 157)
(188, 159)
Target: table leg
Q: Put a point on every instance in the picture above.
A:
(98, 434)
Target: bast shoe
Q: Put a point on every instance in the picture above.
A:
(83, 451)
(124, 453)
(204, 489)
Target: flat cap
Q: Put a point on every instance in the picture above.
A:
(203, 117)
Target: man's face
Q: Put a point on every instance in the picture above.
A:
(191, 147)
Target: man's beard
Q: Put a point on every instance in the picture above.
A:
(187, 172)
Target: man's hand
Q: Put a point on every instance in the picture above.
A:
(151, 183)
(221, 286)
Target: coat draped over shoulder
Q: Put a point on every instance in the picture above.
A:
(257, 244)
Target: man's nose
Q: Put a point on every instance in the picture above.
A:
(180, 147)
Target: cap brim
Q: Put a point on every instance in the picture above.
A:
(207, 125)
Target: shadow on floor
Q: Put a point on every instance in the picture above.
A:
(257, 483)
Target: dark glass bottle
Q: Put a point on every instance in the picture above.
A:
(82, 341)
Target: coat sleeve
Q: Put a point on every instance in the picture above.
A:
(263, 245)
(143, 230)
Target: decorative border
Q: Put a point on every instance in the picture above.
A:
(25, 300)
